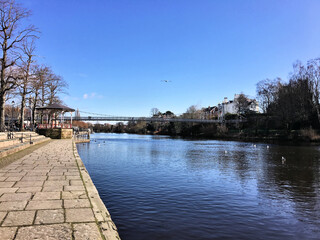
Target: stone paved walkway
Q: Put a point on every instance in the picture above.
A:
(49, 195)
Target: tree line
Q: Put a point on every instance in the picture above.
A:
(293, 105)
(21, 76)
(286, 109)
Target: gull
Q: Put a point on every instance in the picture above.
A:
(283, 160)
(165, 81)
(225, 152)
(254, 145)
(268, 147)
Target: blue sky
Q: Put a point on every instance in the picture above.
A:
(114, 53)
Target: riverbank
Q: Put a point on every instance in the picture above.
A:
(272, 136)
(49, 194)
(157, 187)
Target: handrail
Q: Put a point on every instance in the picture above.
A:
(154, 119)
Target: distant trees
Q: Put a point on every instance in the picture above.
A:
(24, 86)
(294, 104)
(20, 76)
(242, 104)
(154, 112)
(12, 34)
(267, 90)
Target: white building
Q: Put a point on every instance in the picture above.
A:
(230, 106)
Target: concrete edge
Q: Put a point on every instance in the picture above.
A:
(107, 226)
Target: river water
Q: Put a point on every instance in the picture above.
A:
(157, 187)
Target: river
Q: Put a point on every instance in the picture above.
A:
(157, 187)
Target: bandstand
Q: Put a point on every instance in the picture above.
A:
(53, 124)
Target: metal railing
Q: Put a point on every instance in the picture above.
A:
(59, 125)
(154, 119)
(82, 136)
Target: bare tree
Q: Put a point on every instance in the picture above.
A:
(56, 85)
(242, 104)
(267, 92)
(154, 112)
(192, 112)
(28, 49)
(311, 72)
(38, 84)
(11, 36)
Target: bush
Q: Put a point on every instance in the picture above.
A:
(310, 134)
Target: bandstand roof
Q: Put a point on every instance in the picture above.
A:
(56, 107)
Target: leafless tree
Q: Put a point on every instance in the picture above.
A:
(311, 72)
(11, 36)
(192, 112)
(267, 92)
(154, 112)
(56, 85)
(38, 84)
(25, 87)
(242, 104)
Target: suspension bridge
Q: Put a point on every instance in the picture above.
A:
(153, 119)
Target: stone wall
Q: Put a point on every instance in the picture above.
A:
(56, 133)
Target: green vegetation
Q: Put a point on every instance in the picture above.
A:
(289, 111)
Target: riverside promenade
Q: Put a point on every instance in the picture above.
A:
(48, 194)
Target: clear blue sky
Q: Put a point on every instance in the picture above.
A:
(114, 53)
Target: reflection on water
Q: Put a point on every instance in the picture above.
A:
(156, 187)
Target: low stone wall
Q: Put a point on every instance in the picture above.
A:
(107, 226)
(77, 140)
(57, 133)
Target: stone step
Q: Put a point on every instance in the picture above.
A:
(17, 140)
(4, 135)
(20, 146)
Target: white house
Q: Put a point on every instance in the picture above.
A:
(229, 106)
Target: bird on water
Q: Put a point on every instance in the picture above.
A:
(283, 160)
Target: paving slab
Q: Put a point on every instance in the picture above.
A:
(48, 232)
(50, 216)
(7, 233)
(29, 189)
(19, 218)
(44, 204)
(6, 184)
(43, 196)
(88, 231)
(2, 215)
(74, 195)
(10, 206)
(8, 190)
(76, 203)
(47, 196)
(79, 215)
(7, 197)
(57, 188)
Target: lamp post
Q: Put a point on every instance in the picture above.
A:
(30, 105)
(12, 110)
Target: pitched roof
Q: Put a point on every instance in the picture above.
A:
(56, 106)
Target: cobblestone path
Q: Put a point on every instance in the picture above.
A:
(48, 195)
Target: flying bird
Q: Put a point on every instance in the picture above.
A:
(165, 81)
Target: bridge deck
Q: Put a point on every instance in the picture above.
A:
(153, 119)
